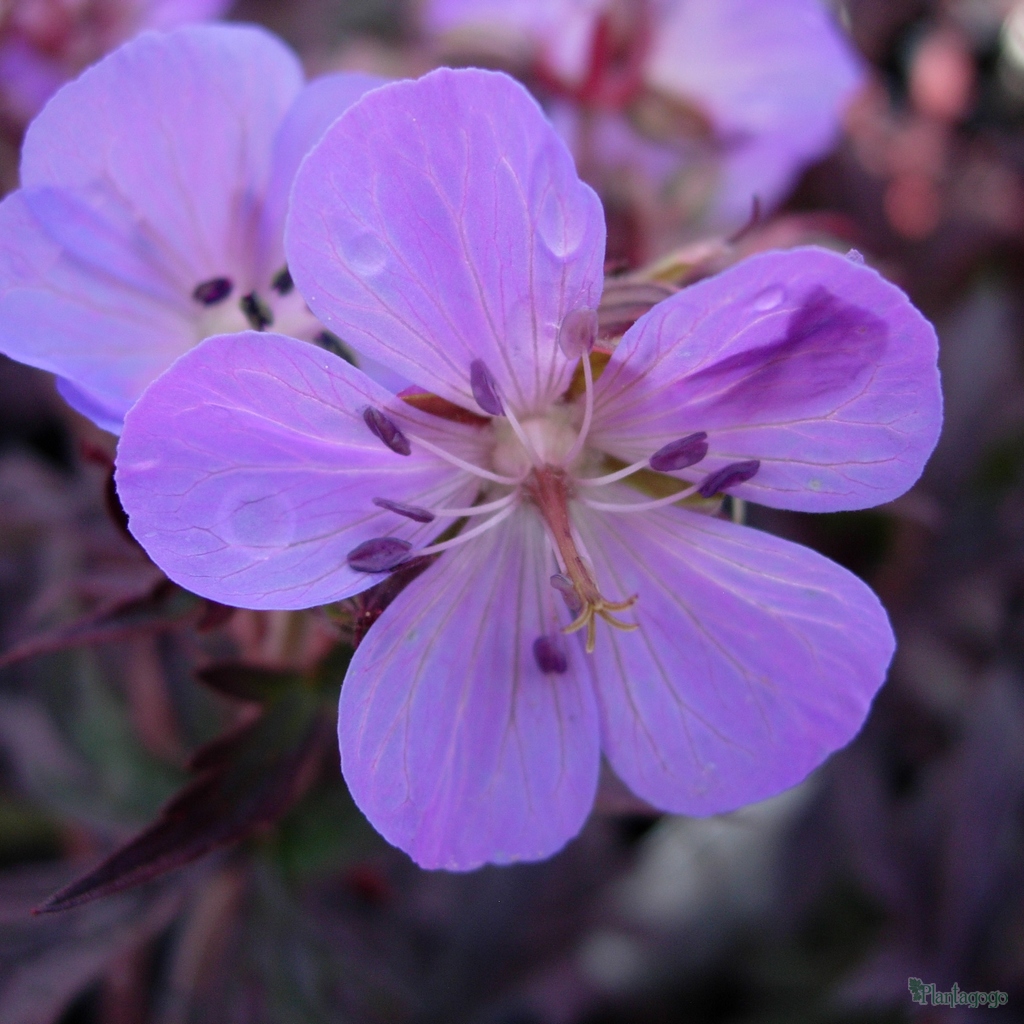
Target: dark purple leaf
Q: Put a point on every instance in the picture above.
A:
(161, 606)
(243, 782)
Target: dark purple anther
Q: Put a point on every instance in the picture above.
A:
(256, 311)
(381, 554)
(209, 293)
(687, 451)
(565, 587)
(414, 512)
(578, 332)
(550, 657)
(384, 428)
(485, 388)
(283, 283)
(729, 476)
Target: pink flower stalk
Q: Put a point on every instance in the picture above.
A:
(708, 102)
(440, 228)
(151, 209)
(45, 43)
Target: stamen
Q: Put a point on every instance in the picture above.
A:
(414, 512)
(564, 586)
(486, 474)
(729, 476)
(611, 478)
(384, 428)
(485, 388)
(256, 311)
(588, 412)
(640, 506)
(433, 549)
(334, 344)
(209, 293)
(548, 653)
(379, 554)
(283, 283)
(681, 454)
(477, 510)
(578, 332)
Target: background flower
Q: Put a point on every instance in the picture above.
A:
(116, 258)
(688, 107)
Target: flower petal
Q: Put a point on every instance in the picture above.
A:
(248, 472)
(755, 658)
(454, 743)
(441, 221)
(807, 361)
(187, 121)
(315, 109)
(774, 79)
(106, 336)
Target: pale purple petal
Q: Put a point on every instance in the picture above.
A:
(108, 337)
(805, 360)
(755, 658)
(248, 472)
(454, 743)
(775, 79)
(441, 221)
(315, 109)
(175, 146)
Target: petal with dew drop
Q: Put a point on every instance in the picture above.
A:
(248, 472)
(315, 109)
(755, 658)
(441, 221)
(805, 360)
(455, 743)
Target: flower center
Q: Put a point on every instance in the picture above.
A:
(222, 307)
(551, 437)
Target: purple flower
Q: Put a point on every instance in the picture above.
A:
(43, 43)
(440, 228)
(710, 101)
(151, 212)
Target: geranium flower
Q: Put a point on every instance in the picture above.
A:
(440, 228)
(44, 43)
(693, 106)
(151, 212)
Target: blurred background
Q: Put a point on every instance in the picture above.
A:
(903, 856)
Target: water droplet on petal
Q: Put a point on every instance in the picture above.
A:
(769, 299)
(561, 236)
(365, 253)
(854, 256)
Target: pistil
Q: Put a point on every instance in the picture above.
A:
(549, 489)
